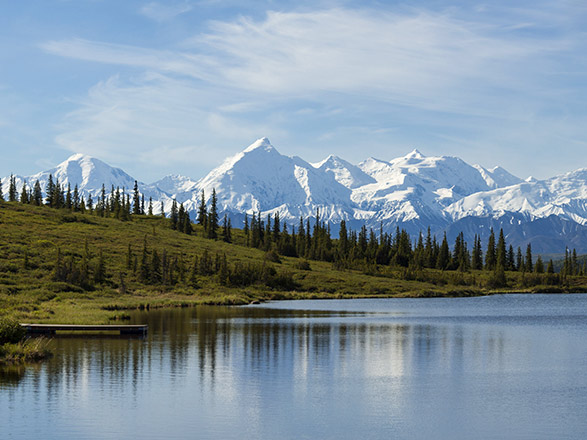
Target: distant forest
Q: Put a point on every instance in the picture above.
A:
(365, 249)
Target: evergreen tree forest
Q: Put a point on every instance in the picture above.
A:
(398, 255)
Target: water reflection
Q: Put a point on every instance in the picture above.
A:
(253, 372)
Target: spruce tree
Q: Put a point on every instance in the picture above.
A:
(59, 196)
(155, 276)
(24, 196)
(429, 248)
(162, 210)
(68, 198)
(136, 208)
(501, 252)
(150, 212)
(443, 261)
(213, 217)
(76, 199)
(50, 188)
(246, 229)
(276, 228)
(343, 241)
(528, 263)
(1, 195)
(511, 259)
(477, 256)
(225, 233)
(539, 266)
(173, 215)
(550, 267)
(12, 193)
(37, 194)
(519, 260)
(201, 219)
(490, 254)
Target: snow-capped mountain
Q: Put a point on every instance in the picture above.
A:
(497, 177)
(416, 188)
(88, 173)
(414, 192)
(344, 172)
(563, 196)
(260, 179)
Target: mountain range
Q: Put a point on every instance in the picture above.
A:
(413, 192)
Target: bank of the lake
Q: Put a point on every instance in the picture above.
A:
(16, 348)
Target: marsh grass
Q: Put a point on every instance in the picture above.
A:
(25, 351)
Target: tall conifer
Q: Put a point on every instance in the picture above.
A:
(490, 254)
(136, 208)
(213, 216)
(501, 251)
(202, 211)
(24, 195)
(528, 263)
(12, 193)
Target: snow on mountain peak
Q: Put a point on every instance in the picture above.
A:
(263, 143)
(416, 190)
(331, 159)
(414, 154)
(345, 173)
(497, 177)
(78, 157)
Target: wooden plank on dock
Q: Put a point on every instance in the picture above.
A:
(54, 328)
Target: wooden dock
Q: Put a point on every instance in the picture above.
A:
(52, 329)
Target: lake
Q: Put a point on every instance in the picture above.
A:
(497, 367)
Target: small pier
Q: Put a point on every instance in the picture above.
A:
(54, 329)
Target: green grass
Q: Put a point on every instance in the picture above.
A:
(27, 351)
(30, 237)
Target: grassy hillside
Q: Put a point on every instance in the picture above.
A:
(57, 266)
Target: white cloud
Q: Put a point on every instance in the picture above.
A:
(238, 81)
(426, 60)
(180, 63)
(153, 120)
(165, 11)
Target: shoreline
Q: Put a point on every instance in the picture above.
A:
(104, 310)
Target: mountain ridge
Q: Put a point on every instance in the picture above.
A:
(412, 191)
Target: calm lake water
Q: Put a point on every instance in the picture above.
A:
(499, 367)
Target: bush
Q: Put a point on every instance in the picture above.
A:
(272, 256)
(303, 265)
(11, 332)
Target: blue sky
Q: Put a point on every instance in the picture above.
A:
(176, 86)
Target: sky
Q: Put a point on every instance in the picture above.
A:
(174, 87)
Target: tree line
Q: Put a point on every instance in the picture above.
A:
(311, 239)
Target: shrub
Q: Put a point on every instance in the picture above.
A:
(11, 332)
(272, 256)
(303, 265)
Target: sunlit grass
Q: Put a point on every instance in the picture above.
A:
(30, 237)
